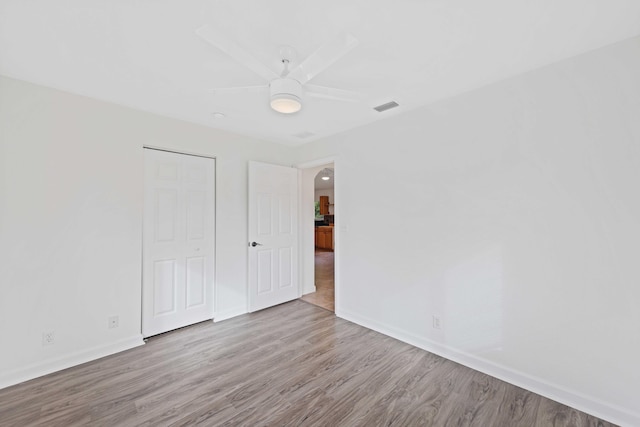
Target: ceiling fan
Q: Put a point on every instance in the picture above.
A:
(286, 89)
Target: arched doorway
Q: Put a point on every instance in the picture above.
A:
(324, 240)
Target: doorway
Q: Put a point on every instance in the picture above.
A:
(323, 294)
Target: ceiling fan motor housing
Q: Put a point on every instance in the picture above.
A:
(286, 95)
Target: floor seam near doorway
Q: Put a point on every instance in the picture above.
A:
(324, 280)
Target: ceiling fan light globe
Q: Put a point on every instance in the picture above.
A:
(286, 95)
(286, 103)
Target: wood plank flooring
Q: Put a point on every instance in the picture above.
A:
(290, 365)
(324, 296)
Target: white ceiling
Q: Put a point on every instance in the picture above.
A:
(146, 55)
(320, 184)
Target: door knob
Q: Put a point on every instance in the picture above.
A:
(254, 244)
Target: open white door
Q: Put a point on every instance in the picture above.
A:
(273, 235)
(178, 241)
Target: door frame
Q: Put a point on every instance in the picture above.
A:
(215, 222)
(305, 224)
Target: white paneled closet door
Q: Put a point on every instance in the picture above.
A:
(178, 241)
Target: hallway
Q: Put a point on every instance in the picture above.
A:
(324, 296)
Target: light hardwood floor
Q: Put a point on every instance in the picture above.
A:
(324, 296)
(290, 365)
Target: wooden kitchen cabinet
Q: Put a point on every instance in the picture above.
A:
(324, 205)
(324, 237)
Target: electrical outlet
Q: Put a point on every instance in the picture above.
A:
(437, 322)
(48, 338)
(113, 322)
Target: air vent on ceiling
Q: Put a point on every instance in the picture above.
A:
(387, 106)
(303, 135)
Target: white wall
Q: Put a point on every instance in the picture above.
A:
(307, 224)
(513, 213)
(71, 220)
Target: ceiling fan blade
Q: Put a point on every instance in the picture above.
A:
(239, 89)
(322, 58)
(332, 93)
(210, 35)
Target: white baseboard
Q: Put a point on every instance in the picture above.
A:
(228, 314)
(579, 401)
(67, 361)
